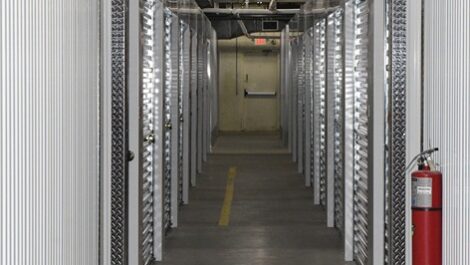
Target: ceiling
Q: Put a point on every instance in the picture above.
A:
(227, 24)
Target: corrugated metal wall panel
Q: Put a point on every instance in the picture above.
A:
(49, 77)
(446, 120)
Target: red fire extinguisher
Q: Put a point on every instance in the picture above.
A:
(427, 214)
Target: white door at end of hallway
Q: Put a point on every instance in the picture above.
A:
(260, 74)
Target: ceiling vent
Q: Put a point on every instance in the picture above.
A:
(270, 25)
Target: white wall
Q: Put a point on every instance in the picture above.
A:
(446, 116)
(239, 113)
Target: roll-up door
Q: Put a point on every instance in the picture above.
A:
(185, 108)
(150, 112)
(182, 87)
(320, 112)
(360, 207)
(300, 76)
(335, 116)
(349, 49)
(174, 113)
(200, 93)
(295, 92)
(308, 44)
(170, 81)
(193, 102)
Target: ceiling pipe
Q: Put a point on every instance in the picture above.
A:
(245, 30)
(273, 5)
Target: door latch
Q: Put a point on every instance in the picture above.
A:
(168, 125)
(150, 138)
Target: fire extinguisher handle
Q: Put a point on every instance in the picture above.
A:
(425, 152)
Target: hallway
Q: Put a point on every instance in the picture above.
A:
(272, 219)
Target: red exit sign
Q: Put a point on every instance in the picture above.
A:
(259, 41)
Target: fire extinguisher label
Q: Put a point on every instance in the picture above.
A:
(422, 192)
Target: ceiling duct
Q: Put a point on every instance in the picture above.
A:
(229, 29)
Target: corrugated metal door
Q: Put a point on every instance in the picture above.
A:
(361, 132)
(200, 93)
(193, 102)
(169, 77)
(319, 105)
(148, 127)
(174, 64)
(308, 44)
(349, 50)
(181, 84)
(320, 112)
(185, 92)
(300, 76)
(49, 127)
(294, 92)
(335, 116)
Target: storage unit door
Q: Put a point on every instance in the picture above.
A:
(361, 133)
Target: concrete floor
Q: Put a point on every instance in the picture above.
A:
(273, 220)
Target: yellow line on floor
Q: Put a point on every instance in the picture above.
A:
(224, 219)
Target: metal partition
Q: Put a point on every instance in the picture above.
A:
(446, 99)
(50, 132)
